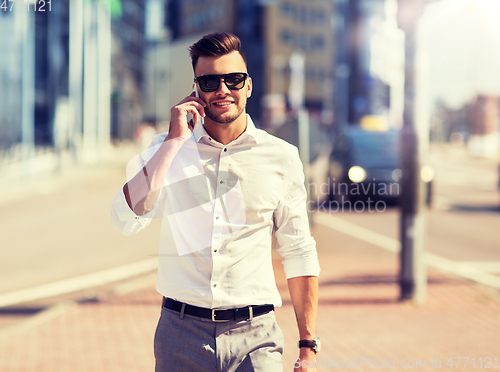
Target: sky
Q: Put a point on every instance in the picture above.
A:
(462, 43)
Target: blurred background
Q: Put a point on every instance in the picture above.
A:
(378, 92)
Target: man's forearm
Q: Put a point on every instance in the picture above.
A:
(142, 191)
(304, 294)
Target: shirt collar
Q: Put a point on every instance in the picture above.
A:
(251, 133)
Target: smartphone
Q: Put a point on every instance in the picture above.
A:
(197, 94)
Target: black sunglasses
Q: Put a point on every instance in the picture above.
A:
(233, 81)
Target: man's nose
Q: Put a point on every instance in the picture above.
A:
(223, 89)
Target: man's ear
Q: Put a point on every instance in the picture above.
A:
(249, 87)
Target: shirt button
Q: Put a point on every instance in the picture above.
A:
(217, 217)
(215, 285)
(209, 138)
(225, 150)
(221, 182)
(215, 250)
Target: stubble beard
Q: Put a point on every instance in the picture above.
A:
(223, 118)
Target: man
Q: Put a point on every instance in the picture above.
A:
(222, 188)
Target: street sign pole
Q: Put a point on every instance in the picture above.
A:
(296, 95)
(412, 278)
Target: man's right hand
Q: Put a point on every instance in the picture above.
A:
(179, 125)
(141, 192)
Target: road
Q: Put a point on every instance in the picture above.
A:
(62, 228)
(463, 223)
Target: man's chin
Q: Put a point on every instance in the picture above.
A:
(224, 118)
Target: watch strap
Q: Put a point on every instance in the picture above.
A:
(313, 344)
(307, 343)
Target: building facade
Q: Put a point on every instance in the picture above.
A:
(370, 62)
(71, 75)
(307, 26)
(270, 31)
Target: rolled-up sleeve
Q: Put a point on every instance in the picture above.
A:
(294, 241)
(123, 217)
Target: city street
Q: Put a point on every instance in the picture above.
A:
(375, 95)
(465, 213)
(61, 229)
(462, 236)
(359, 318)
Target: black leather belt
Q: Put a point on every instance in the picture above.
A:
(248, 312)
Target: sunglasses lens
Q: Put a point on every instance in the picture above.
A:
(208, 83)
(235, 81)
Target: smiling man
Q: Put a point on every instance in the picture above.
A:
(223, 188)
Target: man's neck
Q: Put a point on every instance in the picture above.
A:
(226, 133)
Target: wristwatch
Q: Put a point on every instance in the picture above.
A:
(313, 344)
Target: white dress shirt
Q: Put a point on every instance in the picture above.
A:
(220, 205)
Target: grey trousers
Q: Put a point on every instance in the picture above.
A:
(192, 344)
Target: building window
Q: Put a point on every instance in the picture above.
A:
(286, 10)
(317, 43)
(317, 16)
(286, 37)
(303, 42)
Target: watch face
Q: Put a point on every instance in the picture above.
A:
(317, 347)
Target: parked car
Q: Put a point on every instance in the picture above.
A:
(365, 164)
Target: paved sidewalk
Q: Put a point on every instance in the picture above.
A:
(359, 317)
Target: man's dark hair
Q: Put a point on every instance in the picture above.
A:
(215, 45)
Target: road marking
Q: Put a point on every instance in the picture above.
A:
(358, 232)
(78, 283)
(492, 267)
(463, 269)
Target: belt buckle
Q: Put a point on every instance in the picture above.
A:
(215, 320)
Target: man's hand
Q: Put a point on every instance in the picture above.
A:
(142, 191)
(306, 361)
(179, 125)
(304, 293)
